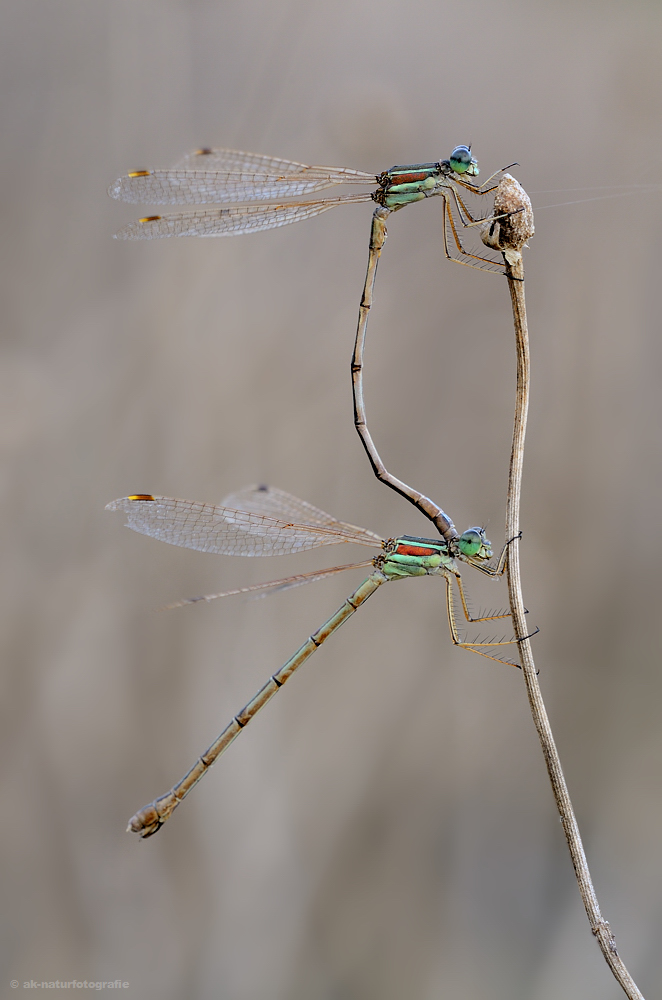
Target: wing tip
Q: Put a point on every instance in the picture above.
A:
(123, 190)
(138, 230)
(124, 503)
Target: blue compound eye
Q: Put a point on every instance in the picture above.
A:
(470, 542)
(461, 159)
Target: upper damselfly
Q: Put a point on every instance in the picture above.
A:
(227, 175)
(209, 176)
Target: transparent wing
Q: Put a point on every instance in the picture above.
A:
(210, 528)
(237, 160)
(273, 586)
(218, 175)
(203, 187)
(231, 221)
(277, 503)
(222, 175)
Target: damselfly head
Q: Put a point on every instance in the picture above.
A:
(462, 162)
(472, 544)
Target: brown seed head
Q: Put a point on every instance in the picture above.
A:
(513, 230)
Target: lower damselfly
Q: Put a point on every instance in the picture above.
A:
(263, 521)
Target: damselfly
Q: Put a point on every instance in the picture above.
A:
(263, 521)
(227, 175)
(209, 176)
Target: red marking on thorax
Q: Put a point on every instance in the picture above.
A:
(413, 550)
(411, 178)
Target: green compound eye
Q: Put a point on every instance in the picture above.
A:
(470, 542)
(461, 160)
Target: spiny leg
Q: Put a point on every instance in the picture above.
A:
(465, 607)
(486, 262)
(464, 212)
(441, 520)
(468, 221)
(472, 647)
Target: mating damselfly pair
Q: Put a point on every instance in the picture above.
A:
(264, 521)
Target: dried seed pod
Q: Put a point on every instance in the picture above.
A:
(510, 232)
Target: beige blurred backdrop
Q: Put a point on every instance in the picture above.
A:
(385, 829)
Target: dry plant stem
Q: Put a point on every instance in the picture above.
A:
(599, 926)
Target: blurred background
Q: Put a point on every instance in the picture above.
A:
(385, 829)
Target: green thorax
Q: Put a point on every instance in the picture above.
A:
(412, 556)
(403, 185)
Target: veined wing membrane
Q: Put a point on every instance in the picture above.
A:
(277, 503)
(220, 175)
(237, 160)
(273, 586)
(207, 527)
(203, 187)
(231, 221)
